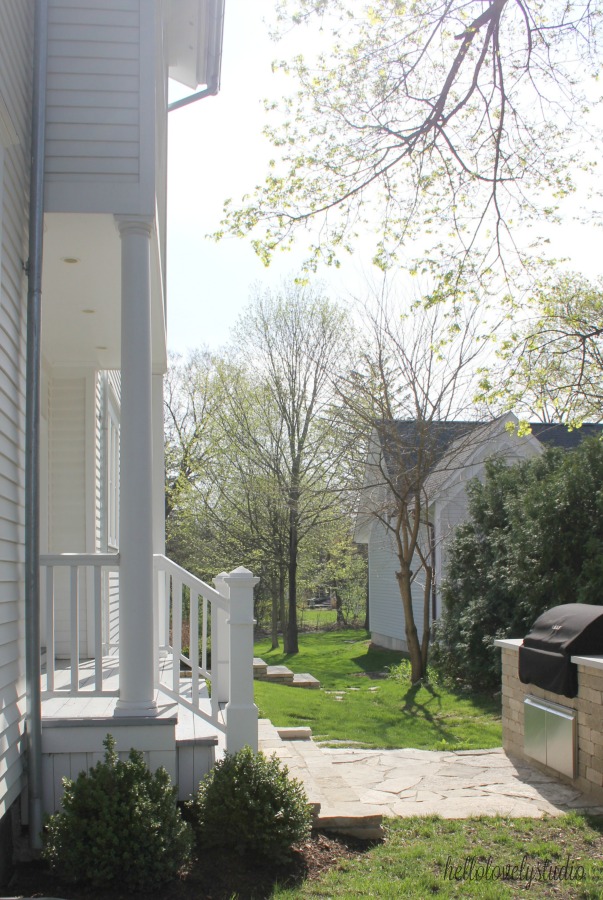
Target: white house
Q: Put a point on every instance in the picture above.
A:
(459, 451)
(90, 608)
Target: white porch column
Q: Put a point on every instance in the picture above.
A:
(241, 712)
(136, 619)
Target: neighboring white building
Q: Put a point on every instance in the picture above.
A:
(110, 603)
(460, 451)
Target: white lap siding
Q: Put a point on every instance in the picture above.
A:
(100, 106)
(385, 603)
(15, 106)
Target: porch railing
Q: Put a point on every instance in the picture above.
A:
(215, 626)
(86, 575)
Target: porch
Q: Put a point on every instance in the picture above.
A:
(203, 664)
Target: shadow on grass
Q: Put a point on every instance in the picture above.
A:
(220, 875)
(377, 661)
(414, 707)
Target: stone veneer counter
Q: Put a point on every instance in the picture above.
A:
(588, 707)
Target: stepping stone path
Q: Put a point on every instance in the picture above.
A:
(283, 675)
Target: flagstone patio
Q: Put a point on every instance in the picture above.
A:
(355, 788)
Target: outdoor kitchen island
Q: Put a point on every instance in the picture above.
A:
(574, 724)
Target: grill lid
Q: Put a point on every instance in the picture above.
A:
(570, 628)
(556, 636)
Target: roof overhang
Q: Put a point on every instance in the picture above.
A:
(194, 34)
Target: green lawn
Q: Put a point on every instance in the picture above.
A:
(316, 618)
(358, 705)
(488, 858)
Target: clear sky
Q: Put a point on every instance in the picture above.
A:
(216, 151)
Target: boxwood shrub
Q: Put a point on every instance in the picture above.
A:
(119, 826)
(249, 804)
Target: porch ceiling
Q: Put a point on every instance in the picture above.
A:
(81, 294)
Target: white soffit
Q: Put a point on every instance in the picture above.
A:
(81, 293)
(188, 24)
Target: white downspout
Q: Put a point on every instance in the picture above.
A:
(32, 429)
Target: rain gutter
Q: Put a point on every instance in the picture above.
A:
(32, 428)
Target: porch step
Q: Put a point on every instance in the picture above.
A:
(197, 748)
(336, 802)
(282, 675)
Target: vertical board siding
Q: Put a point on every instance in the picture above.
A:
(16, 25)
(67, 476)
(93, 97)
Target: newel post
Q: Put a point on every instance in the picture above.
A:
(220, 649)
(241, 711)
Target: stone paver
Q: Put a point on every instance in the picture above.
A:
(355, 787)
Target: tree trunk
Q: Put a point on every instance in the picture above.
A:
(292, 644)
(412, 638)
(282, 610)
(293, 547)
(367, 613)
(274, 612)
(426, 617)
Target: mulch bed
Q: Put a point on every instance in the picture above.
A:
(218, 878)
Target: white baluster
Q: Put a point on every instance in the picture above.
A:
(220, 649)
(50, 628)
(74, 619)
(193, 652)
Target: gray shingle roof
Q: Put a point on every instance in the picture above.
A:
(448, 446)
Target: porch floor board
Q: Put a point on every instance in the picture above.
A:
(89, 704)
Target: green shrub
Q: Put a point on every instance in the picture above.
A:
(248, 803)
(401, 673)
(533, 540)
(119, 826)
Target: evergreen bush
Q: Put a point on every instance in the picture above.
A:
(119, 826)
(248, 803)
(533, 540)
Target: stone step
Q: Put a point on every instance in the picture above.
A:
(305, 680)
(336, 802)
(282, 675)
(259, 667)
(295, 733)
(277, 674)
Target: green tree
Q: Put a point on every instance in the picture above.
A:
(551, 362)
(250, 486)
(412, 378)
(224, 506)
(332, 565)
(291, 346)
(450, 122)
(534, 539)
